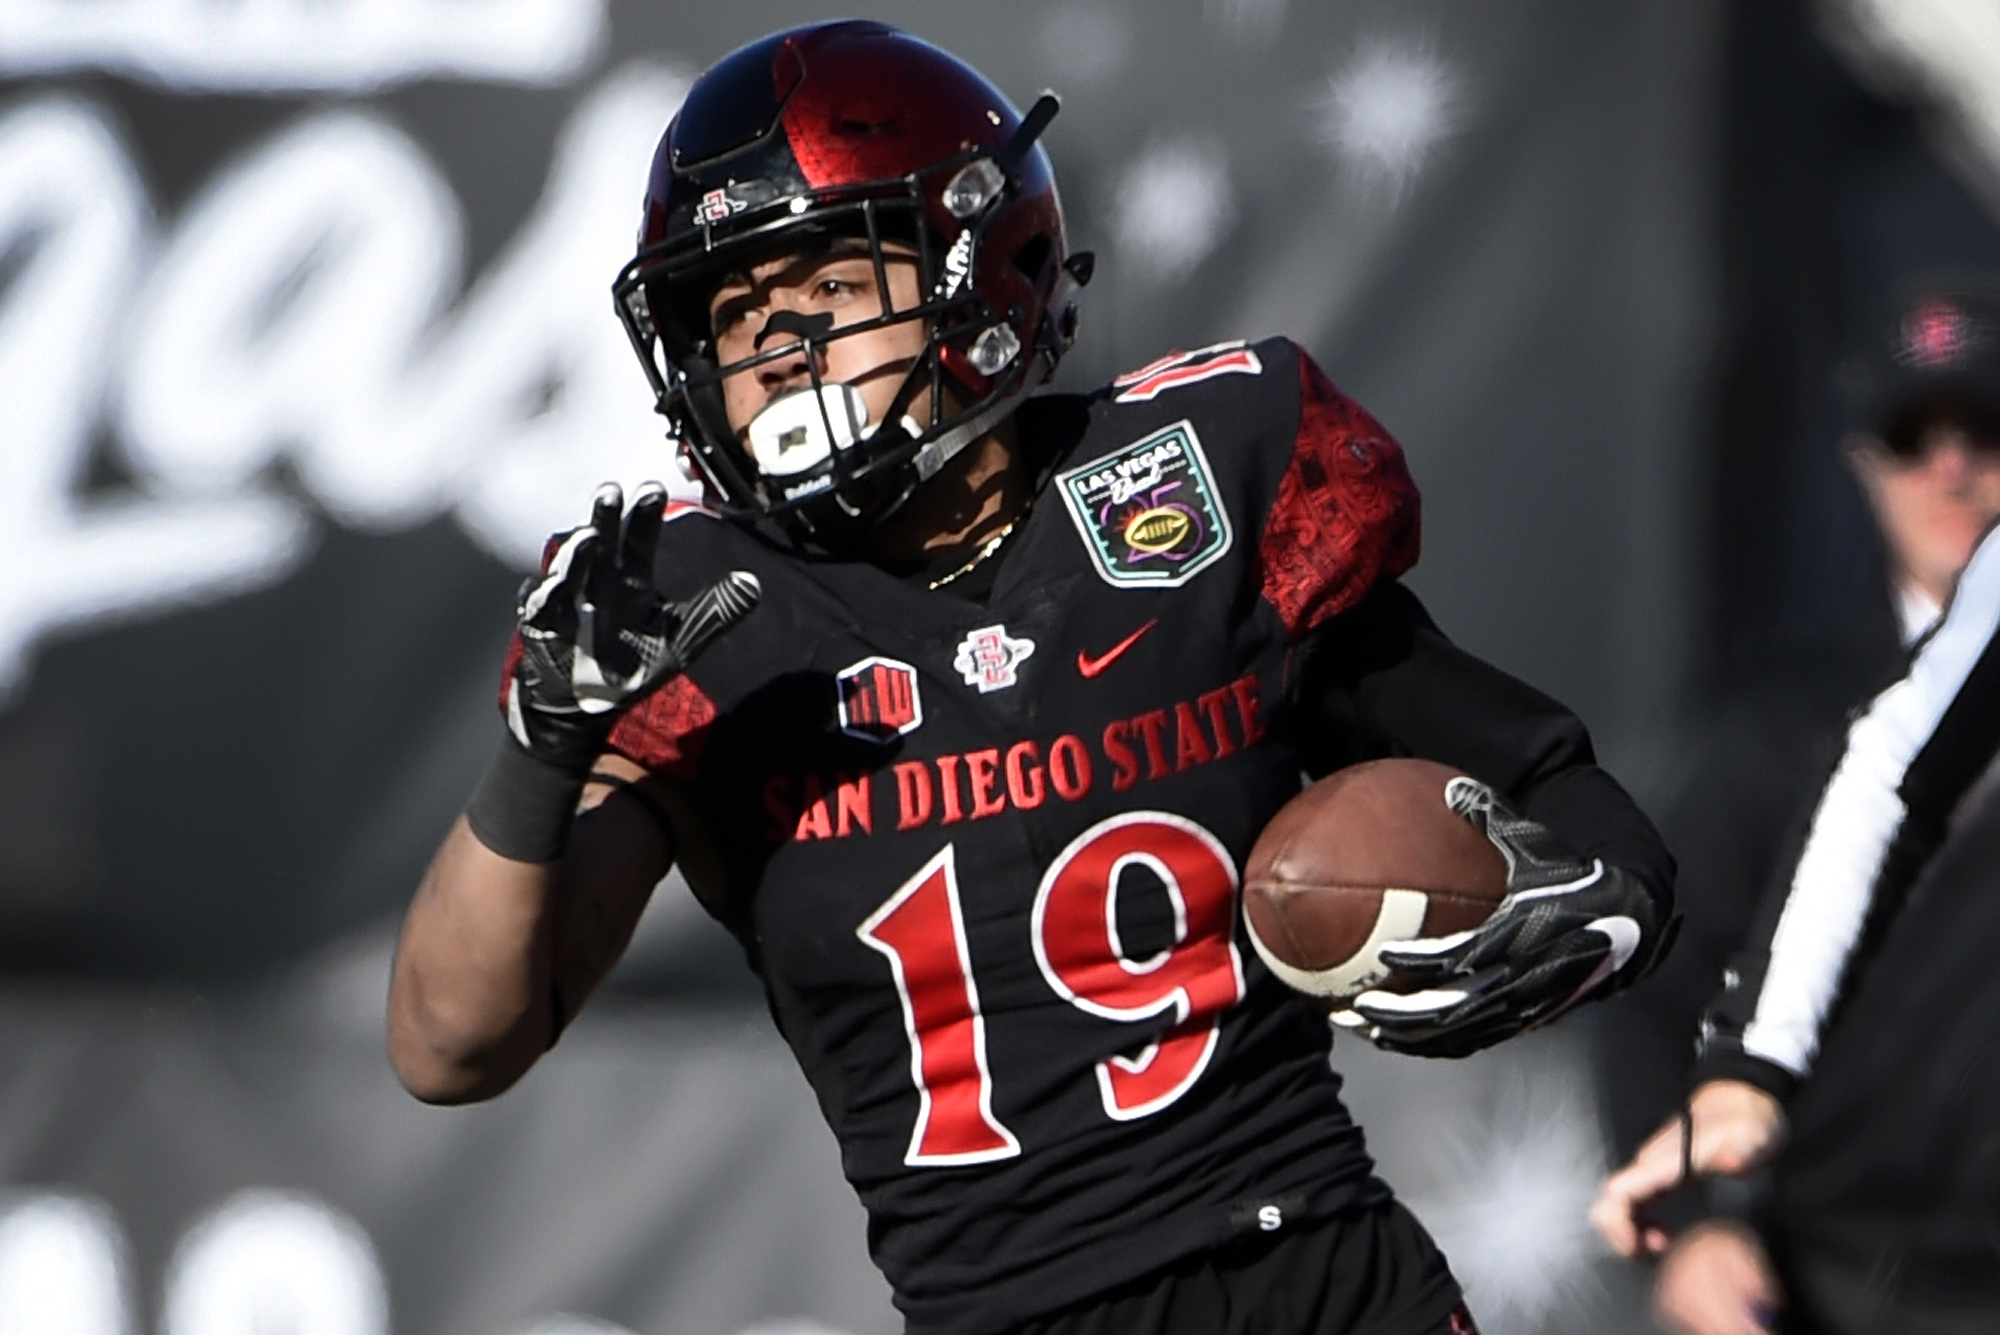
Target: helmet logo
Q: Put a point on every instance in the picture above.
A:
(716, 206)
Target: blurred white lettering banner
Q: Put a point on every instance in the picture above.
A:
(320, 45)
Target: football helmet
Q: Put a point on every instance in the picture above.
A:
(859, 131)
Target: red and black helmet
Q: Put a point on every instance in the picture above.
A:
(854, 130)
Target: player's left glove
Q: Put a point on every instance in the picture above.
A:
(596, 637)
(1568, 927)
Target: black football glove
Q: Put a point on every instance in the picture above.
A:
(596, 637)
(1568, 927)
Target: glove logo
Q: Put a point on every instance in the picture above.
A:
(1149, 513)
(879, 700)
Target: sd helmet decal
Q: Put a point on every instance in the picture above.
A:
(1149, 512)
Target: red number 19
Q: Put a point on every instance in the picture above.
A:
(921, 929)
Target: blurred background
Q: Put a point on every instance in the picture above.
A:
(306, 342)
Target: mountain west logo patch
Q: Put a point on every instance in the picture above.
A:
(879, 700)
(1149, 513)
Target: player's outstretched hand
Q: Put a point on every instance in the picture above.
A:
(595, 636)
(1568, 927)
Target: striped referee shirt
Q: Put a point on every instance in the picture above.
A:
(1911, 755)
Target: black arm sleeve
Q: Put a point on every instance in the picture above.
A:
(1381, 679)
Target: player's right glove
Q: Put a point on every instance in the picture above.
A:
(595, 636)
(1569, 927)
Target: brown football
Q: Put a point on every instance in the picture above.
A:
(1368, 854)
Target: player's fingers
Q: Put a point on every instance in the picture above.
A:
(1423, 949)
(607, 509)
(642, 529)
(1615, 1216)
(566, 567)
(1429, 1003)
(1431, 958)
(1562, 974)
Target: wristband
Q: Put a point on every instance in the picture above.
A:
(522, 806)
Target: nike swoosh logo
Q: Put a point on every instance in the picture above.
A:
(1090, 667)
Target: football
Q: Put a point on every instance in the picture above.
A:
(1368, 854)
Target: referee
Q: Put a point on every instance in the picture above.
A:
(1859, 1033)
(1907, 1135)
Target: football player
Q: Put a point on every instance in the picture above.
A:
(961, 706)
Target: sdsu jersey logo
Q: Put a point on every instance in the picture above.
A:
(1149, 512)
(990, 658)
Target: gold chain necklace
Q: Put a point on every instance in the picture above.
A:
(991, 546)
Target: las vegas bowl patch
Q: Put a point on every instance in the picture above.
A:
(1149, 512)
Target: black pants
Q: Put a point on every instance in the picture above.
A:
(1375, 1272)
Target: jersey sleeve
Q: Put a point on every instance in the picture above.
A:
(1381, 679)
(1346, 515)
(1910, 757)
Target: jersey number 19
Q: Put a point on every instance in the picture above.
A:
(921, 930)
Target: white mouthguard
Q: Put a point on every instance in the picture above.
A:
(791, 435)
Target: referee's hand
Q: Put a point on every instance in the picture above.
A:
(1729, 1128)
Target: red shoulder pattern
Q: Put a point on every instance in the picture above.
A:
(1347, 512)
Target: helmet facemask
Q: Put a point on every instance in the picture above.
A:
(812, 460)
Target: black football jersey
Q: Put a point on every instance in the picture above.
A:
(985, 854)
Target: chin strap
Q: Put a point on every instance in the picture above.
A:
(937, 453)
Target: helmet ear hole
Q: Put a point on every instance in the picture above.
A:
(1033, 257)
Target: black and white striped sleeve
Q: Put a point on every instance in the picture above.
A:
(1910, 756)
